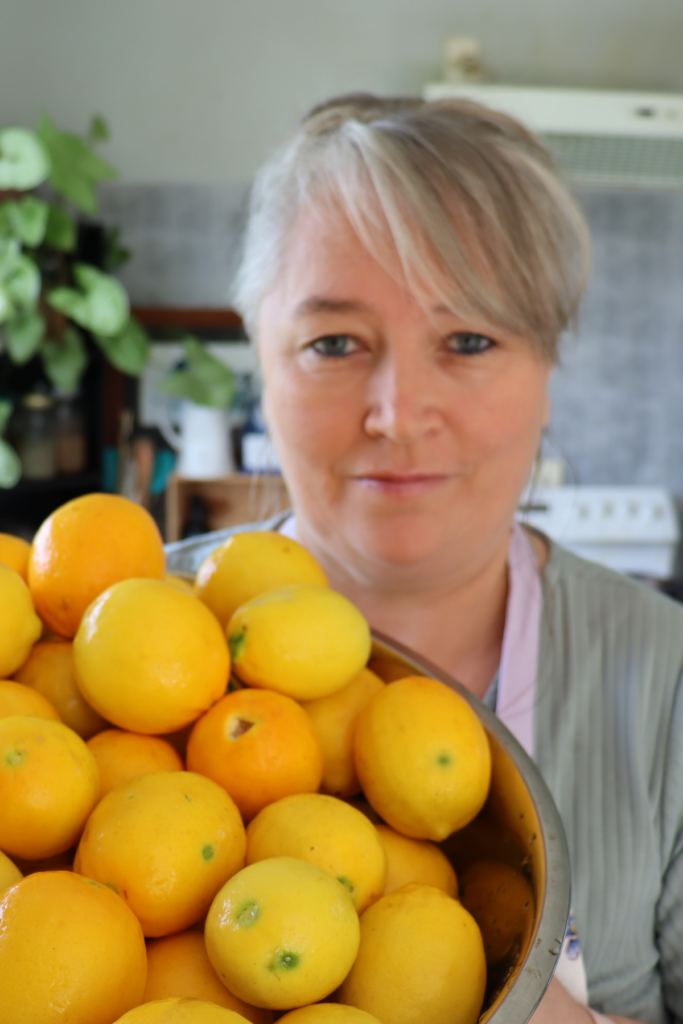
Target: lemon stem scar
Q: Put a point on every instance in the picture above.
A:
(247, 914)
(208, 851)
(236, 644)
(285, 960)
(444, 759)
(347, 885)
(15, 756)
(238, 727)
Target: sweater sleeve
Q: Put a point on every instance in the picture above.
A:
(669, 911)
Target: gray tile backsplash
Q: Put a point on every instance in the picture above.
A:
(618, 397)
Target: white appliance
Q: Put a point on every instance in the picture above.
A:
(598, 137)
(634, 530)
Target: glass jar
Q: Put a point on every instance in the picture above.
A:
(35, 437)
(71, 436)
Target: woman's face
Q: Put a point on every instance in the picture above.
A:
(406, 436)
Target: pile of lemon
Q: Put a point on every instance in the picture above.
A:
(212, 810)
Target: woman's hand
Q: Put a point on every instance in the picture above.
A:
(558, 1007)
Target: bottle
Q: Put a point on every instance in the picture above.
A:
(35, 437)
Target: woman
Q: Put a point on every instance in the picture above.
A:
(408, 270)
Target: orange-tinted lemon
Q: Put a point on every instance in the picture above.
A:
(247, 565)
(70, 952)
(9, 873)
(303, 641)
(84, 547)
(14, 553)
(178, 965)
(387, 668)
(49, 784)
(49, 669)
(180, 581)
(324, 831)
(421, 958)
(423, 758)
(282, 933)
(180, 1011)
(124, 756)
(258, 745)
(166, 843)
(17, 699)
(416, 860)
(20, 627)
(149, 657)
(334, 719)
(329, 1013)
(501, 901)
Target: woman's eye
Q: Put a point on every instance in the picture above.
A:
(335, 345)
(468, 344)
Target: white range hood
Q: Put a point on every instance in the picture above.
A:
(598, 137)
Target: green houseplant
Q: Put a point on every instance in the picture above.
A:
(48, 298)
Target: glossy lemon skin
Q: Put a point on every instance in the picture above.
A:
(328, 1013)
(282, 933)
(417, 861)
(21, 627)
(180, 1011)
(149, 657)
(325, 831)
(439, 949)
(423, 758)
(247, 565)
(302, 641)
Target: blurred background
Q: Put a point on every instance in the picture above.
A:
(196, 94)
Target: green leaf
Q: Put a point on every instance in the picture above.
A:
(206, 381)
(60, 232)
(65, 361)
(5, 412)
(28, 219)
(10, 254)
(23, 335)
(22, 283)
(75, 168)
(98, 130)
(101, 306)
(115, 254)
(6, 229)
(10, 466)
(7, 309)
(128, 351)
(24, 160)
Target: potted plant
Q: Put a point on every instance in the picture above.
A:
(48, 298)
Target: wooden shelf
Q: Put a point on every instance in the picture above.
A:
(232, 500)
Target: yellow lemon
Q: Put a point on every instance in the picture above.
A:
(178, 965)
(180, 581)
(149, 657)
(49, 669)
(334, 719)
(302, 641)
(14, 552)
(501, 901)
(71, 952)
(17, 699)
(282, 933)
(421, 959)
(165, 843)
(416, 860)
(180, 1011)
(49, 784)
(249, 564)
(21, 627)
(423, 758)
(329, 1013)
(324, 831)
(9, 873)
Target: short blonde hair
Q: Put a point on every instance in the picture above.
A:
(465, 198)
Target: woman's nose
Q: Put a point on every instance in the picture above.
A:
(402, 401)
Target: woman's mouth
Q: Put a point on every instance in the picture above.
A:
(401, 484)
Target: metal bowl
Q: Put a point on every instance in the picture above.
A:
(520, 815)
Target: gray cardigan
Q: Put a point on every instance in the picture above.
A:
(608, 735)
